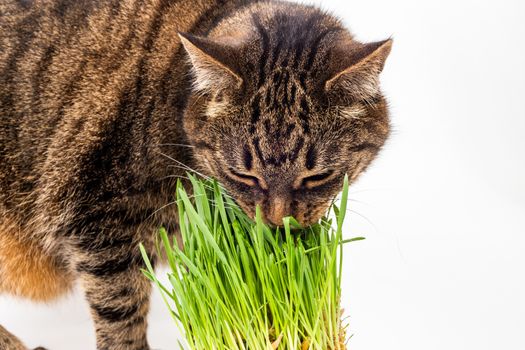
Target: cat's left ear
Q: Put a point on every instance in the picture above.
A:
(213, 63)
(356, 68)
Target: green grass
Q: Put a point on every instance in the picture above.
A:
(237, 284)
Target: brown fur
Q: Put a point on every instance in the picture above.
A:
(289, 86)
(104, 104)
(26, 271)
(9, 341)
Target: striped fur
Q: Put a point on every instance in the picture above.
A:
(104, 103)
(304, 107)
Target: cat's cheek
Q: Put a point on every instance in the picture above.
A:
(207, 167)
(248, 208)
(308, 212)
(249, 202)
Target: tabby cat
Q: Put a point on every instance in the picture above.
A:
(105, 103)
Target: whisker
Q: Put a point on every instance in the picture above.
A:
(214, 202)
(357, 201)
(174, 144)
(367, 190)
(171, 203)
(224, 190)
(365, 218)
(205, 185)
(190, 197)
(184, 165)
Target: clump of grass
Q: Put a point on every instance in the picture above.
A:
(238, 284)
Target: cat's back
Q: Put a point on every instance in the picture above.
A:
(52, 52)
(42, 38)
(70, 69)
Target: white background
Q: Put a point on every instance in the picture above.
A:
(443, 263)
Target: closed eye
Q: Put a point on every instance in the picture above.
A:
(247, 179)
(317, 179)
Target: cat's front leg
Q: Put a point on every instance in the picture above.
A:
(116, 290)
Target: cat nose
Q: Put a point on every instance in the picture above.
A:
(278, 208)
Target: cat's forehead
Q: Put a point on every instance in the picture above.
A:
(284, 91)
(280, 36)
(281, 106)
(279, 127)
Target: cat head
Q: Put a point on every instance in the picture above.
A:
(285, 103)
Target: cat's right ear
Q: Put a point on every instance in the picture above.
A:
(212, 63)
